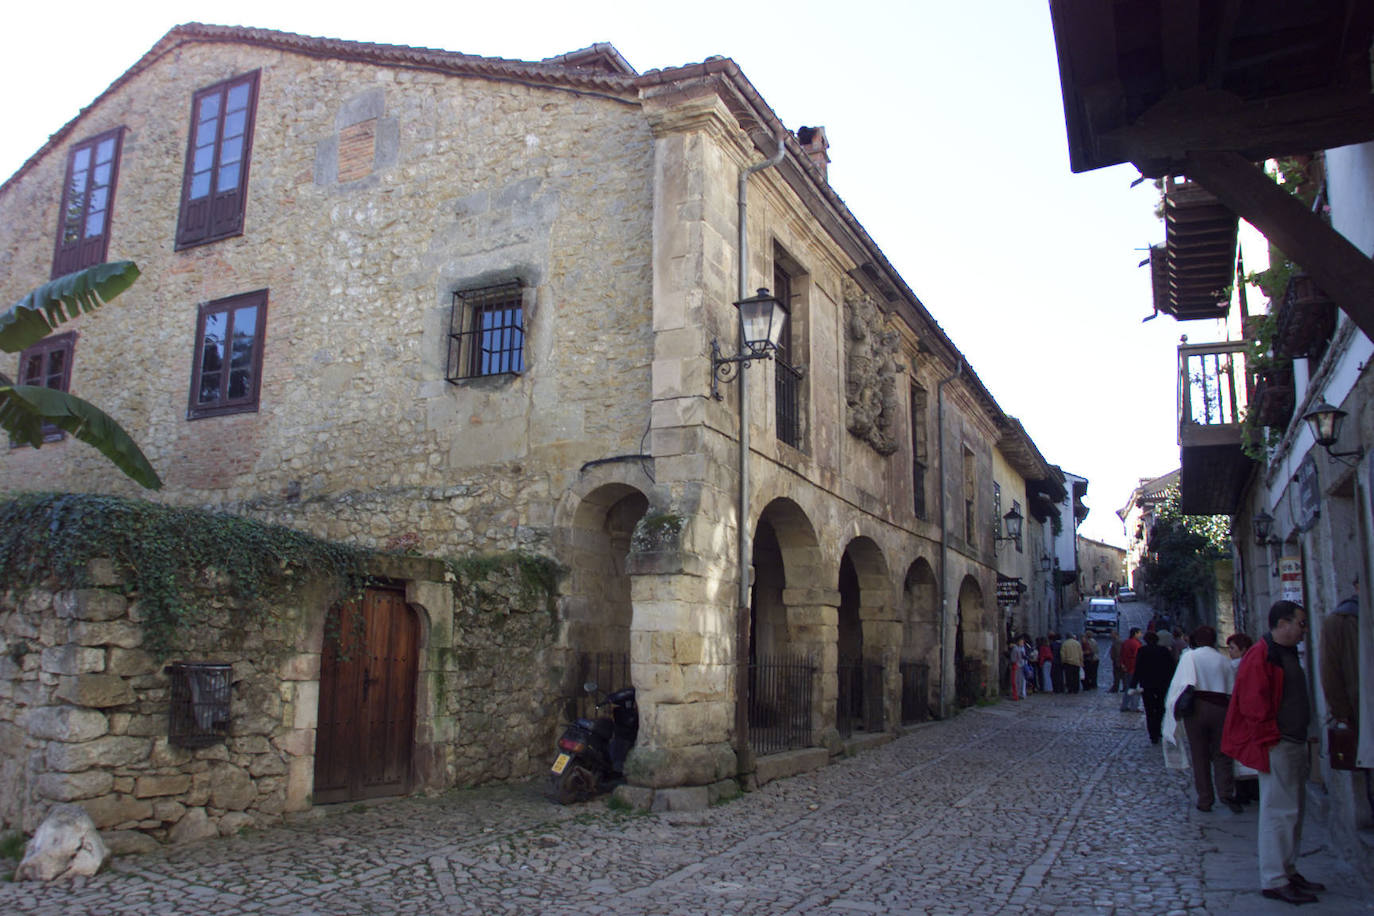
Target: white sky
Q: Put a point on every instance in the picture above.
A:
(947, 139)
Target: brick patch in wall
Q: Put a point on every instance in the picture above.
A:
(357, 150)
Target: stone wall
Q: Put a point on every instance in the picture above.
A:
(84, 708)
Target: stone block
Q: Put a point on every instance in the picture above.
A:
(72, 660)
(307, 705)
(700, 765)
(165, 754)
(682, 798)
(152, 786)
(66, 844)
(300, 780)
(109, 751)
(685, 724)
(168, 810)
(102, 574)
(267, 765)
(195, 825)
(130, 662)
(296, 743)
(233, 822)
(117, 810)
(72, 786)
(95, 690)
(107, 633)
(90, 604)
(724, 790)
(128, 842)
(231, 788)
(638, 798)
(67, 723)
(303, 667)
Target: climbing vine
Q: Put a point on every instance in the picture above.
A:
(535, 577)
(161, 553)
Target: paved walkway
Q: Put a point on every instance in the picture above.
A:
(1057, 804)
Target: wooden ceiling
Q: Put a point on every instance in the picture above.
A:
(1148, 81)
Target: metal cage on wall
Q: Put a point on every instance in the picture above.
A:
(198, 710)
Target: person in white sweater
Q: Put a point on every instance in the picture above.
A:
(1212, 676)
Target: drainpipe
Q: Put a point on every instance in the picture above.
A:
(746, 548)
(944, 532)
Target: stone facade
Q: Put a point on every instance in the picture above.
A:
(383, 181)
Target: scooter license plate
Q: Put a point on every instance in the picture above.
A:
(561, 763)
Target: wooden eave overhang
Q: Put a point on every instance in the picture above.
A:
(1020, 450)
(1207, 88)
(1193, 277)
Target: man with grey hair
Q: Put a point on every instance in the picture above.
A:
(1266, 729)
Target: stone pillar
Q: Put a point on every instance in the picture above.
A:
(813, 628)
(882, 640)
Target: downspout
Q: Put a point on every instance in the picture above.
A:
(746, 547)
(944, 533)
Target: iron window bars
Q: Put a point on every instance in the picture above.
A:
(198, 712)
(486, 332)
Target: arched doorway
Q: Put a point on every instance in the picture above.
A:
(867, 639)
(971, 669)
(366, 722)
(921, 637)
(779, 691)
(596, 606)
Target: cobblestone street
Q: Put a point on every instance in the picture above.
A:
(1055, 804)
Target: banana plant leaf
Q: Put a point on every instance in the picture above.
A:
(25, 408)
(44, 309)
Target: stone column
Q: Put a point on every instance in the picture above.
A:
(813, 628)
(882, 636)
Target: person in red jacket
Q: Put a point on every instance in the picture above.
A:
(1130, 697)
(1266, 728)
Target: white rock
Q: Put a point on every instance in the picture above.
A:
(65, 844)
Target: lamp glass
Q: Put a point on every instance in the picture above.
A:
(1264, 524)
(761, 319)
(1013, 520)
(1325, 422)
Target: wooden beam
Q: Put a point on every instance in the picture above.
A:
(1178, 28)
(1344, 273)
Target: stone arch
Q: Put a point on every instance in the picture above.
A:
(868, 637)
(595, 605)
(921, 632)
(973, 642)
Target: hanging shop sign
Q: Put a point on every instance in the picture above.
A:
(1290, 579)
(1009, 589)
(1309, 493)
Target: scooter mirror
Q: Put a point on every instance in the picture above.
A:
(589, 687)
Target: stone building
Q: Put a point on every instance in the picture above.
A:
(470, 305)
(1101, 565)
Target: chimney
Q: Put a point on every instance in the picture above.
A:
(813, 141)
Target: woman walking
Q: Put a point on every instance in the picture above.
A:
(1016, 660)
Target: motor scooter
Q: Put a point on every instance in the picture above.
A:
(591, 752)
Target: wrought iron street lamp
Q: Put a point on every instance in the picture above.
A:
(1264, 526)
(1012, 526)
(761, 319)
(1325, 421)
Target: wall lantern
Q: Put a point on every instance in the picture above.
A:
(1013, 526)
(1046, 564)
(1264, 526)
(761, 318)
(1325, 421)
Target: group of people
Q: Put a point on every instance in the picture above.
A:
(1052, 664)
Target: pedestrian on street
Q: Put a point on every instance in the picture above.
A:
(1016, 661)
(1056, 663)
(1211, 675)
(1119, 679)
(1071, 660)
(1179, 643)
(1266, 728)
(1130, 698)
(1247, 778)
(1090, 662)
(1154, 668)
(1044, 660)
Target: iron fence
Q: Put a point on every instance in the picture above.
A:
(788, 408)
(609, 670)
(860, 702)
(780, 689)
(915, 692)
(970, 681)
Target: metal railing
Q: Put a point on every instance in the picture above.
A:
(970, 681)
(780, 690)
(860, 701)
(915, 692)
(1212, 392)
(609, 670)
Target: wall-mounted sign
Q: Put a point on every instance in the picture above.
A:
(1009, 589)
(1309, 494)
(1290, 579)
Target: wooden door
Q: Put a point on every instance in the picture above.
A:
(367, 699)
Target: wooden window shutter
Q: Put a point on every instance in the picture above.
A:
(215, 184)
(83, 222)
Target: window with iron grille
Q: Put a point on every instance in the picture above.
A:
(226, 375)
(214, 187)
(487, 332)
(198, 703)
(48, 364)
(787, 378)
(83, 223)
(918, 450)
